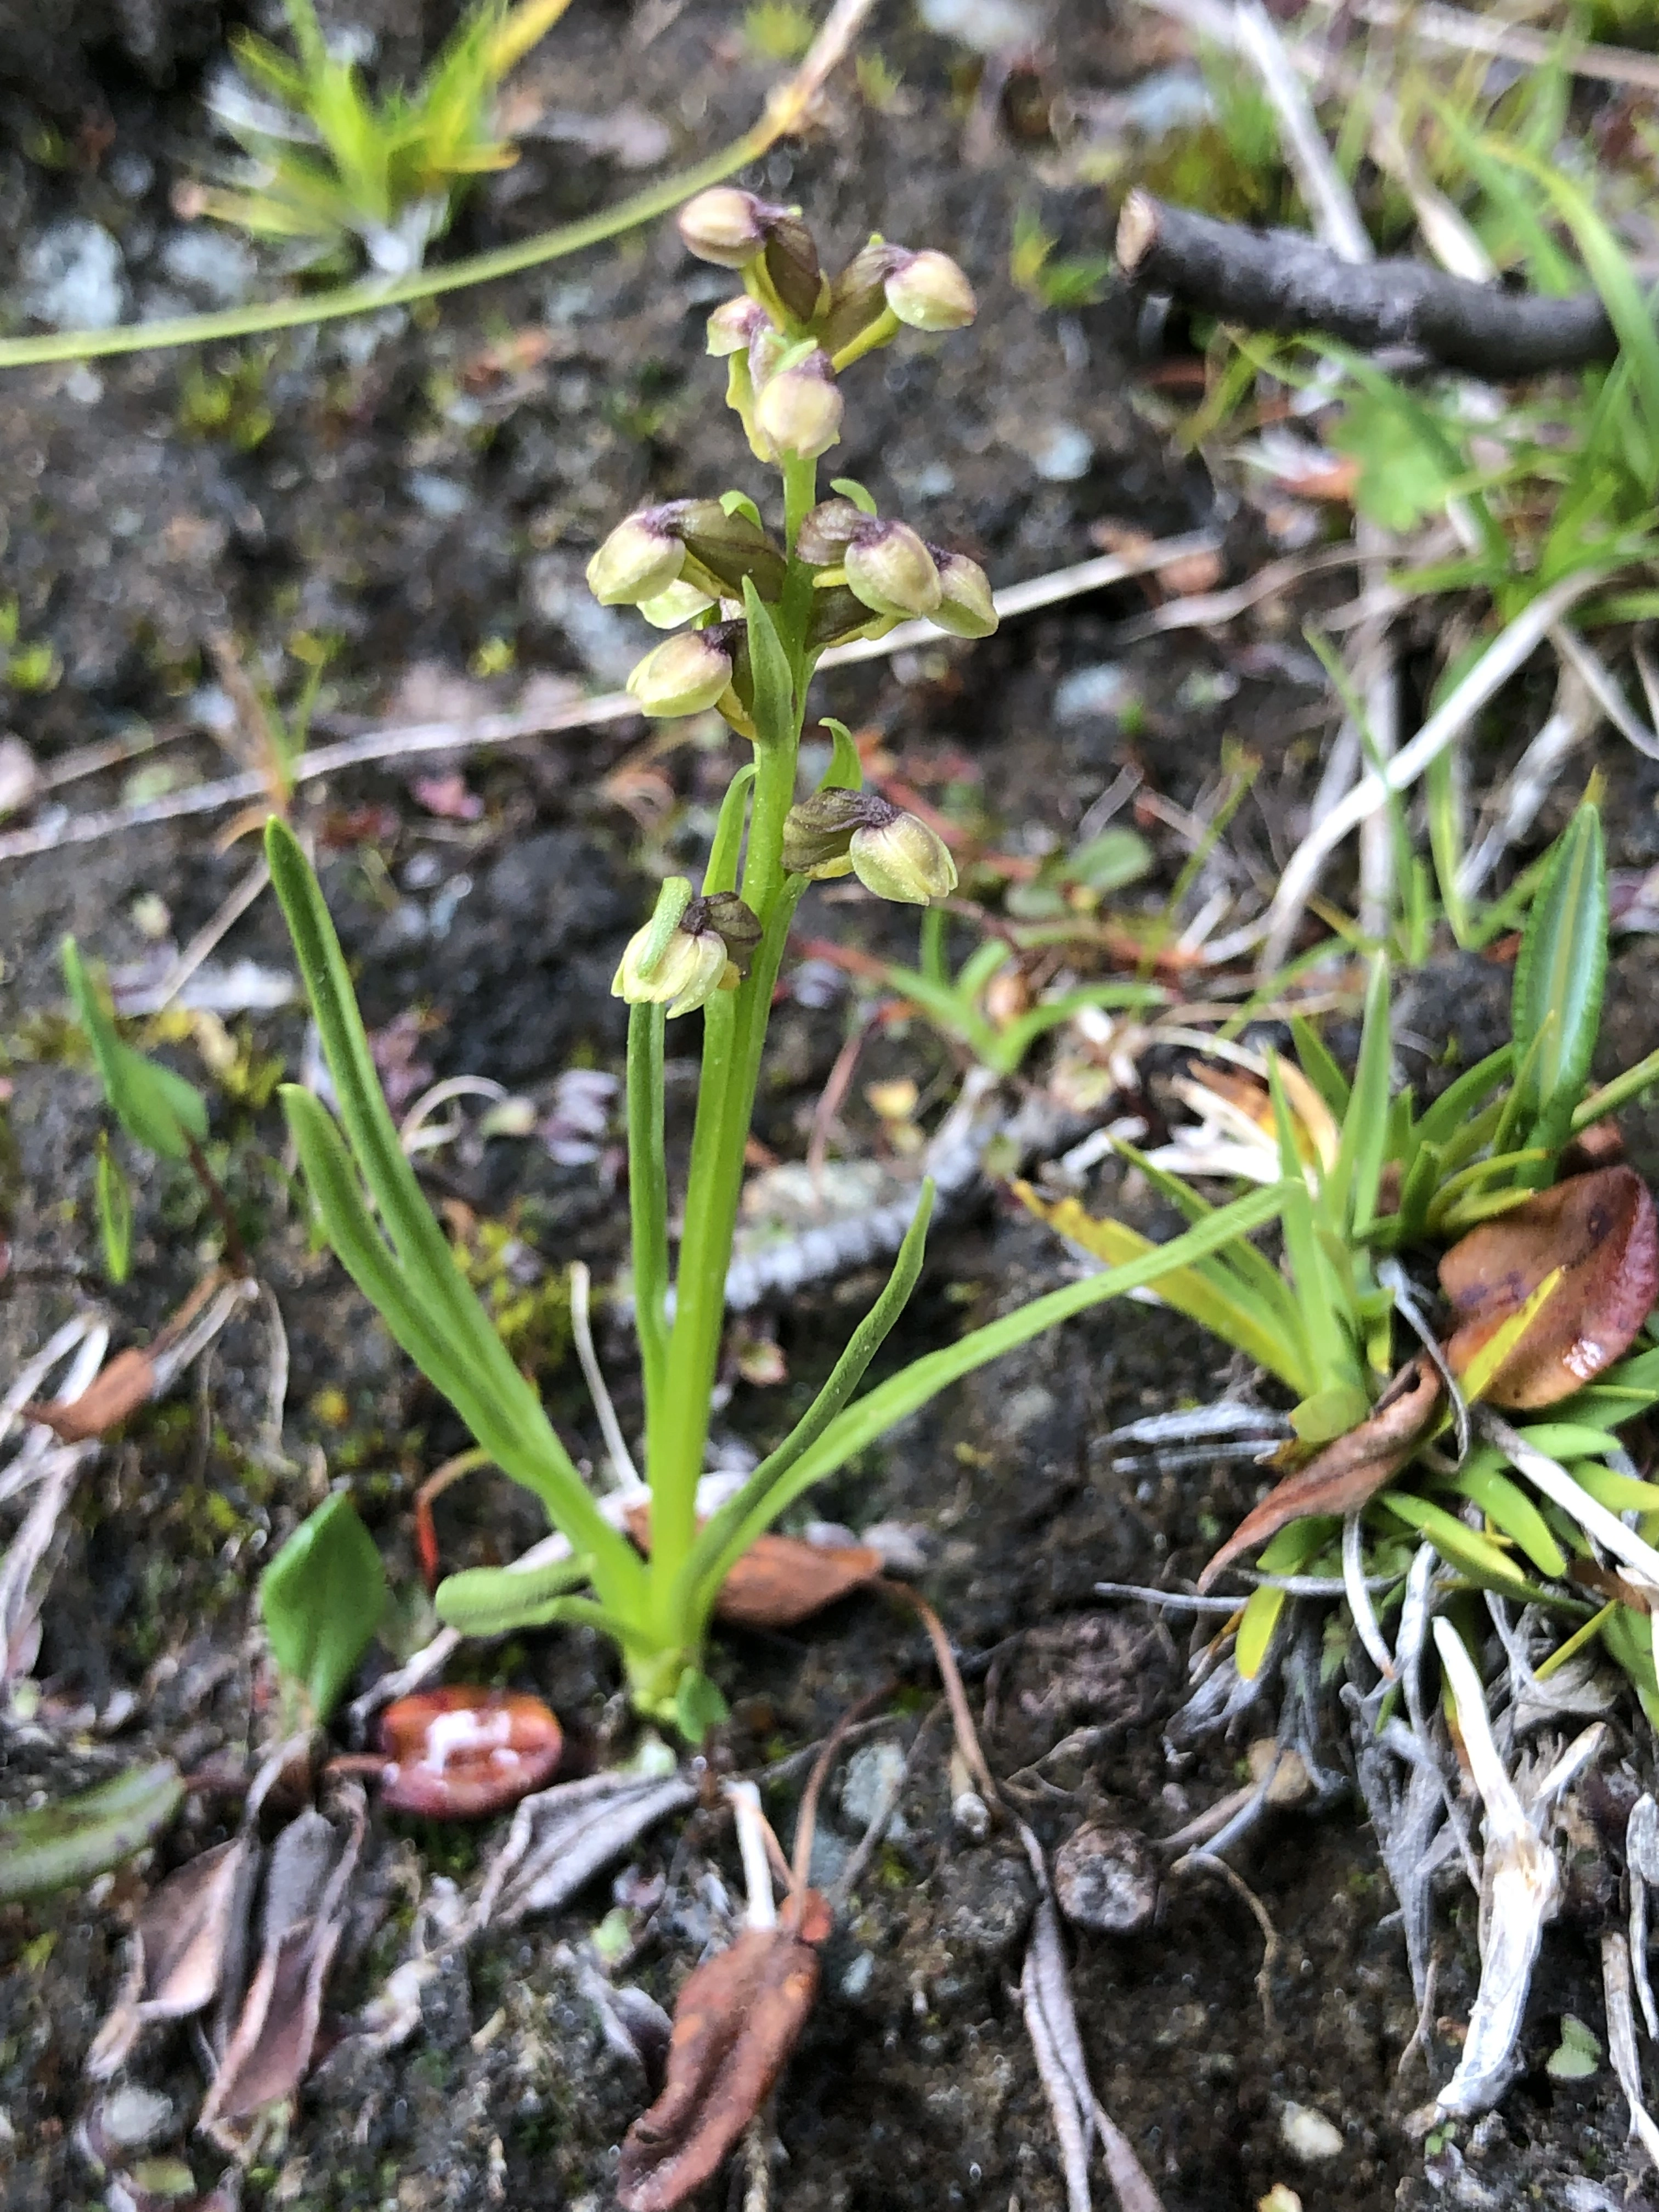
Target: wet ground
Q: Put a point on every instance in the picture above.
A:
(427, 495)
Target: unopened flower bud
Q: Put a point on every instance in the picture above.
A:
(965, 607)
(640, 558)
(735, 325)
(897, 855)
(684, 675)
(725, 226)
(904, 860)
(929, 292)
(890, 568)
(826, 531)
(798, 411)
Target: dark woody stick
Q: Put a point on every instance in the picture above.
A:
(1284, 282)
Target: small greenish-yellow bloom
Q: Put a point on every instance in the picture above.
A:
(889, 568)
(725, 226)
(684, 675)
(965, 607)
(637, 561)
(798, 410)
(735, 325)
(904, 860)
(709, 950)
(929, 292)
(685, 976)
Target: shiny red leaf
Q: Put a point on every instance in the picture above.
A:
(462, 1754)
(1599, 1230)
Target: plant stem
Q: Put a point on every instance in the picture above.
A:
(648, 1198)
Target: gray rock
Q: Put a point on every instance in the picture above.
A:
(73, 277)
(1106, 1879)
(215, 266)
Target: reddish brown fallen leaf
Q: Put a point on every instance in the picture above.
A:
(738, 2019)
(781, 1580)
(461, 1754)
(116, 1391)
(1600, 1231)
(1349, 1471)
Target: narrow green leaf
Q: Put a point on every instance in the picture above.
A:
(114, 1195)
(1559, 976)
(730, 1531)
(500, 1600)
(156, 1108)
(74, 1840)
(1255, 1630)
(1480, 1479)
(1349, 1192)
(321, 1599)
(893, 1400)
(722, 873)
(1317, 1064)
(774, 689)
(1485, 1562)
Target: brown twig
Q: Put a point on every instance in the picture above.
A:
(1283, 281)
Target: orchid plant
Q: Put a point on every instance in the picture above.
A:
(750, 610)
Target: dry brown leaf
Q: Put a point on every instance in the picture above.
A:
(1600, 1231)
(180, 1944)
(118, 1389)
(269, 2049)
(1348, 1472)
(781, 1580)
(738, 2019)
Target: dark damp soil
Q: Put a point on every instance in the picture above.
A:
(417, 497)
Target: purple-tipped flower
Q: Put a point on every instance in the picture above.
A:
(684, 675)
(891, 571)
(725, 226)
(735, 325)
(927, 291)
(642, 557)
(797, 410)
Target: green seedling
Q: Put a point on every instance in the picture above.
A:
(957, 1006)
(321, 1599)
(836, 570)
(115, 1196)
(1068, 282)
(1366, 1175)
(338, 177)
(158, 1108)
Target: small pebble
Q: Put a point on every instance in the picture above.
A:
(132, 2117)
(1104, 688)
(971, 1816)
(1060, 453)
(1106, 1879)
(73, 277)
(1309, 2136)
(873, 1773)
